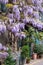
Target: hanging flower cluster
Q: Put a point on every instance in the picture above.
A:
(4, 1)
(3, 47)
(2, 27)
(3, 54)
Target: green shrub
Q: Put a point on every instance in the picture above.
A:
(9, 60)
(25, 51)
(38, 48)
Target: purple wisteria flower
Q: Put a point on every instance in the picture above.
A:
(9, 27)
(11, 21)
(16, 28)
(36, 15)
(4, 48)
(37, 2)
(17, 15)
(34, 24)
(14, 1)
(1, 56)
(35, 8)
(17, 12)
(17, 34)
(5, 54)
(27, 10)
(2, 28)
(10, 15)
(22, 36)
(22, 25)
(30, 10)
(39, 26)
(15, 8)
(41, 9)
(4, 1)
(26, 20)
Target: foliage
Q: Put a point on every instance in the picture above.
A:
(38, 48)
(9, 60)
(3, 17)
(33, 34)
(3, 7)
(25, 51)
(9, 5)
(30, 35)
